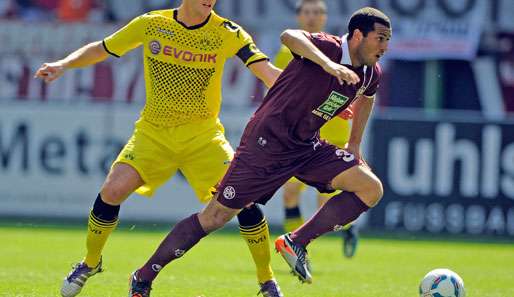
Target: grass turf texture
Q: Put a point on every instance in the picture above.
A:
(33, 262)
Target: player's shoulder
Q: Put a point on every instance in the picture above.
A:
(227, 26)
(223, 22)
(168, 13)
(327, 37)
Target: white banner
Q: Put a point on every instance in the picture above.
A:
(434, 33)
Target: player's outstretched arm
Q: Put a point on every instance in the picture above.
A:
(297, 42)
(266, 72)
(85, 56)
(361, 110)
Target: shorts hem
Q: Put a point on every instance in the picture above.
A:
(224, 203)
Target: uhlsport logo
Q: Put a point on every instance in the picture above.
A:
(155, 47)
(229, 192)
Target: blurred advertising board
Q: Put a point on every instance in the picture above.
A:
(444, 174)
(54, 158)
(452, 174)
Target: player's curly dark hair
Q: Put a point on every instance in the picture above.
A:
(365, 18)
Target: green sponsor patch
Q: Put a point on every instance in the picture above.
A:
(333, 103)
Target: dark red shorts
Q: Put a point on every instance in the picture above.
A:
(250, 179)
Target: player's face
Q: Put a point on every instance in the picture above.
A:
(374, 45)
(202, 7)
(312, 17)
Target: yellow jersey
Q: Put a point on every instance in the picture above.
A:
(183, 66)
(337, 130)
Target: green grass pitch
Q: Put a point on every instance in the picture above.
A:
(34, 260)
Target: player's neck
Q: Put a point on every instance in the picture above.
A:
(188, 16)
(356, 62)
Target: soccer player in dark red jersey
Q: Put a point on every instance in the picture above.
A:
(281, 140)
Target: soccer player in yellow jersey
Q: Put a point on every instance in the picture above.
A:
(184, 50)
(312, 17)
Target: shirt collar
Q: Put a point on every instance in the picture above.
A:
(345, 59)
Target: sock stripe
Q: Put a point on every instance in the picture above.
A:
(255, 231)
(100, 223)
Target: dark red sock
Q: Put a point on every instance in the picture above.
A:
(338, 211)
(182, 237)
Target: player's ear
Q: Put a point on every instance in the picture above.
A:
(357, 34)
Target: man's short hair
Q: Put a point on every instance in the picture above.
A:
(365, 18)
(301, 3)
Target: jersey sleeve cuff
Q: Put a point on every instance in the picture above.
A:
(107, 50)
(258, 60)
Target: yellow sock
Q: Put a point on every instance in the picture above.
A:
(257, 238)
(291, 224)
(97, 234)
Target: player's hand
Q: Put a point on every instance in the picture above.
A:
(346, 114)
(342, 73)
(50, 71)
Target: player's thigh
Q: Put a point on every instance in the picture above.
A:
(358, 179)
(121, 181)
(148, 154)
(325, 163)
(248, 180)
(205, 167)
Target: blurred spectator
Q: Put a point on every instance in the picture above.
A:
(48, 5)
(6, 9)
(34, 10)
(74, 10)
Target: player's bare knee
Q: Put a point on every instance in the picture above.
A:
(375, 192)
(215, 215)
(212, 221)
(221, 218)
(112, 194)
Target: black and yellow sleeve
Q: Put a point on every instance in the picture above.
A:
(242, 45)
(250, 54)
(126, 39)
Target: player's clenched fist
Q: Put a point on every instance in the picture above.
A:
(342, 73)
(50, 71)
